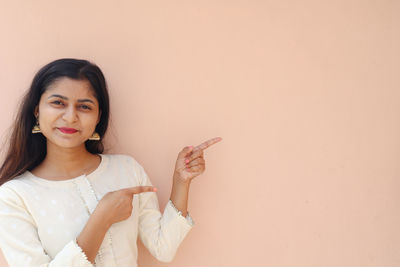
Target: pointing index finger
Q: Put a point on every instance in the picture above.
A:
(208, 143)
(140, 189)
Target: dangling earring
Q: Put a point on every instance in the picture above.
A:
(36, 128)
(95, 136)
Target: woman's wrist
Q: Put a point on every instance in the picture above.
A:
(92, 235)
(180, 194)
(100, 219)
(180, 182)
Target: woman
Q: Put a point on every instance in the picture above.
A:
(63, 202)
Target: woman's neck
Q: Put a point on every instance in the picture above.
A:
(64, 163)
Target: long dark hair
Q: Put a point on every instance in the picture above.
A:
(27, 150)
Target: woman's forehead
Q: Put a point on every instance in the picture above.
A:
(71, 88)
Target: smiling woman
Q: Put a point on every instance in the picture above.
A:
(69, 112)
(65, 203)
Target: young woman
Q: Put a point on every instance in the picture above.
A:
(65, 203)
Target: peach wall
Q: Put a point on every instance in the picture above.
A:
(305, 94)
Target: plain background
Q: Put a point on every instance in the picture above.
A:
(305, 95)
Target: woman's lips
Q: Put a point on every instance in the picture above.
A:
(68, 130)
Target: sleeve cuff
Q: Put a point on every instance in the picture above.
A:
(188, 218)
(79, 257)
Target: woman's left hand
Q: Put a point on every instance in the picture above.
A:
(190, 162)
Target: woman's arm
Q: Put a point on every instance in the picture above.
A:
(190, 163)
(92, 235)
(180, 195)
(113, 207)
(163, 233)
(20, 242)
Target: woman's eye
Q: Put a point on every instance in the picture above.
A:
(57, 102)
(85, 107)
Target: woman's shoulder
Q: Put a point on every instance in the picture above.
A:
(17, 181)
(120, 157)
(123, 160)
(13, 188)
(126, 162)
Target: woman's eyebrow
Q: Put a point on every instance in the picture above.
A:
(66, 98)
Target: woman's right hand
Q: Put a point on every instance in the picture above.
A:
(117, 205)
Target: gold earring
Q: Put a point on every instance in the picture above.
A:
(95, 136)
(36, 127)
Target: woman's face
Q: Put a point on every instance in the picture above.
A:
(68, 112)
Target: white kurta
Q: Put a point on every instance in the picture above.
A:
(40, 219)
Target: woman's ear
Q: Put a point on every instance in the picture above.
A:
(98, 119)
(36, 111)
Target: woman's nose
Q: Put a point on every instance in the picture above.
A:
(70, 114)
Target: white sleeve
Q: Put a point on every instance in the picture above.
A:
(19, 238)
(160, 233)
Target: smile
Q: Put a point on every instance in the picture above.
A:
(67, 130)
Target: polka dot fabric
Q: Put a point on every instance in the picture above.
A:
(40, 219)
